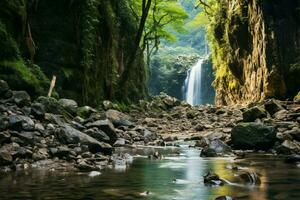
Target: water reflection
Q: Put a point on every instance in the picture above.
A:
(179, 176)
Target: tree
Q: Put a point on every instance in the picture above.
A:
(144, 10)
(156, 20)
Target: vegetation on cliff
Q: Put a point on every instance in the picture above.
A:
(249, 42)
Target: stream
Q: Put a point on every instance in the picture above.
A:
(278, 180)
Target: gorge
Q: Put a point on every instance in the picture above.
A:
(142, 107)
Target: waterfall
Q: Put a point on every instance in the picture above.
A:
(192, 87)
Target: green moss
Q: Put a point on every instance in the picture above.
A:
(21, 76)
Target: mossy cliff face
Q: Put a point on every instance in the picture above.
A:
(256, 50)
(84, 43)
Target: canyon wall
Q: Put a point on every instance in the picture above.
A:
(83, 43)
(256, 50)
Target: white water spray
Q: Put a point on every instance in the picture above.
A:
(192, 88)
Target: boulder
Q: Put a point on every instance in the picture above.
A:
(38, 110)
(69, 135)
(19, 123)
(97, 134)
(51, 105)
(253, 113)
(251, 135)
(69, 105)
(21, 98)
(118, 118)
(208, 152)
(107, 127)
(220, 147)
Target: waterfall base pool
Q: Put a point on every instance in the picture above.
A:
(179, 176)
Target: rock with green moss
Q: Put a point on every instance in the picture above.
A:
(85, 111)
(51, 105)
(253, 113)
(253, 136)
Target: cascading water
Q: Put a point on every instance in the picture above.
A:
(192, 87)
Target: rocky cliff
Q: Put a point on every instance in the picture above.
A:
(84, 43)
(256, 50)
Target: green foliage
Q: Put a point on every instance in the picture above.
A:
(29, 77)
(165, 17)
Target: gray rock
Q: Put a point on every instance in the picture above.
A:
(208, 152)
(69, 135)
(21, 98)
(281, 114)
(272, 106)
(253, 136)
(83, 165)
(40, 154)
(107, 127)
(149, 136)
(22, 152)
(120, 142)
(26, 138)
(69, 105)
(5, 158)
(253, 113)
(4, 137)
(293, 146)
(61, 152)
(19, 123)
(51, 105)
(38, 110)
(212, 179)
(220, 147)
(97, 134)
(3, 123)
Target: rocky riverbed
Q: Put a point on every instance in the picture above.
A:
(58, 134)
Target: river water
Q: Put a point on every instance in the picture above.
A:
(279, 180)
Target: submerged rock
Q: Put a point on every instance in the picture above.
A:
(224, 198)
(250, 178)
(212, 179)
(216, 148)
